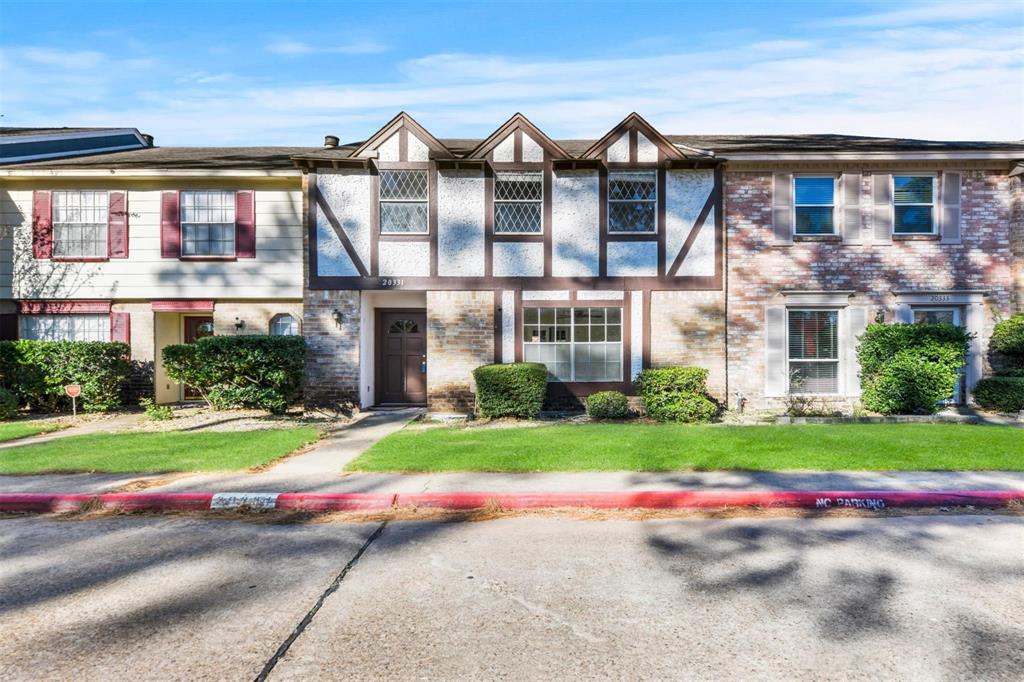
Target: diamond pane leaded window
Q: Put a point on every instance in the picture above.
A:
(632, 202)
(913, 198)
(80, 224)
(403, 201)
(576, 344)
(208, 223)
(518, 203)
(814, 205)
(813, 351)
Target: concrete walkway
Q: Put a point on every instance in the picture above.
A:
(104, 425)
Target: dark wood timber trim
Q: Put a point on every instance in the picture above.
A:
(498, 326)
(646, 317)
(418, 283)
(510, 166)
(632, 145)
(517, 146)
(399, 122)
(719, 226)
(374, 222)
(312, 242)
(403, 144)
(432, 217)
(602, 219)
(546, 225)
(405, 237)
(573, 302)
(632, 123)
(698, 224)
(328, 212)
(634, 237)
(518, 122)
(660, 219)
(488, 221)
(404, 165)
(518, 237)
(578, 164)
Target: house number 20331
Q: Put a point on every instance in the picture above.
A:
(392, 283)
(940, 298)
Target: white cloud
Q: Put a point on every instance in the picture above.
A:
(932, 12)
(290, 47)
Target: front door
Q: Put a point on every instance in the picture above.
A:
(401, 356)
(195, 329)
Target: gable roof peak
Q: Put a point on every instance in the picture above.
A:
(515, 122)
(402, 120)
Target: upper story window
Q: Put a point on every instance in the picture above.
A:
(284, 325)
(65, 327)
(813, 351)
(518, 203)
(208, 223)
(814, 205)
(403, 201)
(632, 201)
(576, 344)
(913, 198)
(80, 224)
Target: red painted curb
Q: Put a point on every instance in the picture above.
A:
(675, 499)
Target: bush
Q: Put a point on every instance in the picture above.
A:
(1002, 393)
(156, 412)
(240, 371)
(511, 390)
(1018, 372)
(8, 404)
(608, 405)
(37, 371)
(910, 368)
(676, 394)
(1008, 336)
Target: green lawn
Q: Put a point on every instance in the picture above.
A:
(22, 429)
(156, 452)
(672, 447)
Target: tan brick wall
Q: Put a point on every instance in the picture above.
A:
(332, 350)
(140, 384)
(460, 338)
(1017, 239)
(256, 314)
(688, 329)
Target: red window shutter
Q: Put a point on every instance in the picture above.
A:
(42, 225)
(245, 224)
(8, 326)
(117, 225)
(121, 327)
(170, 226)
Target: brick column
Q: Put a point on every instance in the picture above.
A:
(460, 338)
(332, 349)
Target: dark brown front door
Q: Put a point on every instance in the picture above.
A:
(195, 329)
(401, 356)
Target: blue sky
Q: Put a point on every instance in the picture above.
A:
(248, 73)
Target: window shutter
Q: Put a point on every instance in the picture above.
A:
(775, 383)
(8, 327)
(121, 327)
(42, 224)
(950, 208)
(881, 193)
(850, 190)
(117, 225)
(170, 226)
(782, 208)
(245, 224)
(856, 323)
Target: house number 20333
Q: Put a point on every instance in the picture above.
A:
(392, 283)
(940, 298)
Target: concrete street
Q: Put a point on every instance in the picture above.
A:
(824, 597)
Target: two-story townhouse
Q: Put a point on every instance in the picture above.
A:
(152, 246)
(760, 258)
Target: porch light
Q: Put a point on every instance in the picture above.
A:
(338, 317)
(239, 324)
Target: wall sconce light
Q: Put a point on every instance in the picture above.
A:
(239, 324)
(337, 317)
(879, 315)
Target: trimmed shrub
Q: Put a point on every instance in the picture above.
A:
(240, 371)
(608, 405)
(37, 371)
(156, 412)
(1011, 372)
(676, 394)
(1008, 336)
(8, 404)
(1002, 393)
(910, 368)
(511, 390)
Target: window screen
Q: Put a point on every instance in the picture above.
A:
(80, 224)
(814, 205)
(813, 351)
(403, 201)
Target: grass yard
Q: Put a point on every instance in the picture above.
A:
(156, 452)
(676, 447)
(23, 429)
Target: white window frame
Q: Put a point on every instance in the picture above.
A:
(610, 201)
(572, 342)
(934, 205)
(63, 324)
(381, 200)
(540, 202)
(295, 320)
(234, 223)
(835, 193)
(839, 351)
(958, 321)
(57, 226)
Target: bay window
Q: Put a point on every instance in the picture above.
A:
(576, 344)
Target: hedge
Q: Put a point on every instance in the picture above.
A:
(511, 390)
(1002, 393)
(608, 405)
(676, 394)
(240, 371)
(37, 371)
(1008, 336)
(910, 368)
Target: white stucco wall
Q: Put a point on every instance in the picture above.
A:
(575, 229)
(685, 195)
(388, 149)
(618, 151)
(518, 259)
(646, 151)
(460, 223)
(532, 152)
(408, 259)
(505, 151)
(700, 260)
(636, 259)
(416, 149)
(636, 333)
(348, 195)
(508, 326)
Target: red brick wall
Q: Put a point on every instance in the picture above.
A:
(758, 271)
(1017, 239)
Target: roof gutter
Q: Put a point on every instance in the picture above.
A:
(1011, 155)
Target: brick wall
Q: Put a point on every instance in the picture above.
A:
(757, 271)
(460, 338)
(332, 350)
(255, 314)
(688, 328)
(1017, 239)
(140, 382)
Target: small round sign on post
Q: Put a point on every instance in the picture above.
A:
(73, 391)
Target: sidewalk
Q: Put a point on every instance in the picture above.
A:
(106, 425)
